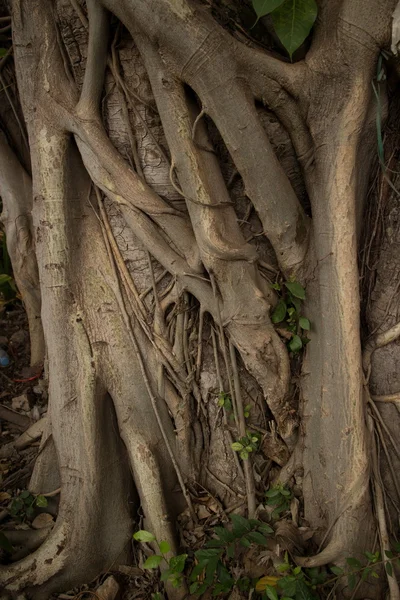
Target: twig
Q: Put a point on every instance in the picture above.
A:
(52, 494)
(223, 348)
(247, 464)
(125, 111)
(197, 144)
(140, 309)
(180, 192)
(384, 427)
(387, 398)
(80, 13)
(147, 383)
(225, 416)
(380, 513)
(14, 110)
(199, 344)
(388, 458)
(143, 294)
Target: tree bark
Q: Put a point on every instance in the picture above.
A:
(148, 268)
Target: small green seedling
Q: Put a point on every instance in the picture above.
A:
(175, 565)
(22, 507)
(280, 498)
(213, 568)
(246, 411)
(247, 444)
(224, 401)
(288, 311)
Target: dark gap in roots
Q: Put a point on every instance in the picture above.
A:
(380, 209)
(285, 153)
(247, 217)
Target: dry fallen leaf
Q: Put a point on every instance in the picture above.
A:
(262, 583)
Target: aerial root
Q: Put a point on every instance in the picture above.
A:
(41, 565)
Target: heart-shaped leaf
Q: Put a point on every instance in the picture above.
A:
(293, 21)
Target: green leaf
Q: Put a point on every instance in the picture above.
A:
(305, 323)
(206, 554)
(365, 573)
(240, 525)
(293, 286)
(224, 534)
(295, 344)
(211, 569)
(237, 446)
(279, 312)
(273, 493)
(370, 556)
(375, 574)
(244, 455)
(230, 551)
(297, 571)
(143, 536)
(271, 593)
(215, 544)
(276, 286)
(197, 571)
(288, 585)
(293, 21)
(245, 542)
(193, 588)
(264, 7)
(354, 562)
(164, 547)
(336, 570)
(389, 569)
(303, 592)
(5, 279)
(224, 576)
(41, 501)
(177, 563)
(5, 543)
(388, 554)
(257, 538)
(265, 529)
(283, 567)
(25, 494)
(152, 562)
(351, 580)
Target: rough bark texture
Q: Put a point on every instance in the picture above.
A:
(175, 168)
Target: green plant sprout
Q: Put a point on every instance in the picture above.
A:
(288, 310)
(247, 444)
(214, 567)
(280, 498)
(22, 507)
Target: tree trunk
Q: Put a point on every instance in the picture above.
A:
(176, 171)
